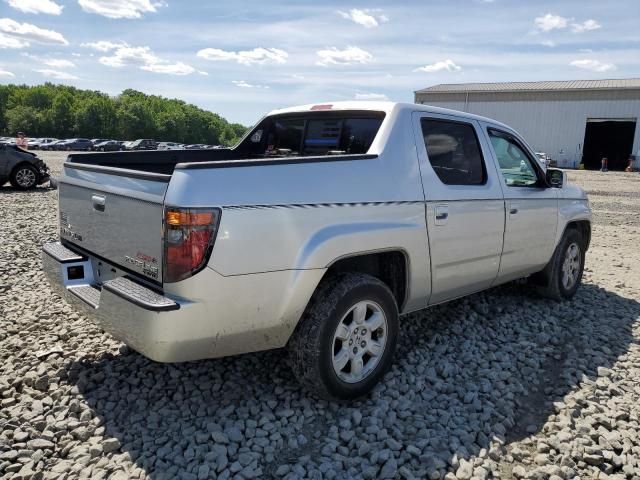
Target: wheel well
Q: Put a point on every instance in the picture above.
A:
(583, 227)
(390, 267)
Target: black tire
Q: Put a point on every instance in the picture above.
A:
(553, 286)
(24, 177)
(312, 346)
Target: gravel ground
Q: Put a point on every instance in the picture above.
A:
(502, 384)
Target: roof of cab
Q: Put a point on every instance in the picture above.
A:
(379, 106)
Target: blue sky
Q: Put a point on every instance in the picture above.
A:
(241, 59)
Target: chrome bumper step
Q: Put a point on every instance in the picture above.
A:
(61, 253)
(88, 294)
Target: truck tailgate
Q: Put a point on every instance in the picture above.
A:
(116, 214)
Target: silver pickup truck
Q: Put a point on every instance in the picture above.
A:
(322, 226)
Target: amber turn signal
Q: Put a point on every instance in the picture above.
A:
(189, 218)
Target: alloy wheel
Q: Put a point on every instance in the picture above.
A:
(359, 341)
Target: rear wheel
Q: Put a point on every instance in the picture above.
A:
(24, 177)
(346, 338)
(564, 271)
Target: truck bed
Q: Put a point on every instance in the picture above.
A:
(152, 161)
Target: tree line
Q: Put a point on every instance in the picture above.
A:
(62, 111)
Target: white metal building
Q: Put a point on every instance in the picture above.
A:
(572, 121)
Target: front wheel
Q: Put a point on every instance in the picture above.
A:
(564, 271)
(24, 177)
(346, 338)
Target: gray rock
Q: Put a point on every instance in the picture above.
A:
(389, 469)
(110, 445)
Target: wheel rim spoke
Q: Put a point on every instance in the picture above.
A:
(341, 359)
(342, 332)
(357, 366)
(375, 348)
(360, 313)
(375, 321)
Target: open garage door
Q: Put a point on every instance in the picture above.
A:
(608, 137)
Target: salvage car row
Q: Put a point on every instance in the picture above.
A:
(104, 144)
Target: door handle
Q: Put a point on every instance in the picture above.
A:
(513, 208)
(98, 202)
(441, 214)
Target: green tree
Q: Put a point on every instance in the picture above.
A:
(95, 118)
(60, 115)
(63, 111)
(23, 118)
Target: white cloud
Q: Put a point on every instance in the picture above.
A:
(206, 74)
(548, 43)
(58, 75)
(371, 96)
(26, 32)
(550, 22)
(348, 56)
(585, 26)
(50, 62)
(243, 84)
(36, 6)
(5, 73)
(593, 65)
(10, 42)
(367, 18)
(178, 68)
(246, 57)
(145, 59)
(119, 8)
(104, 45)
(448, 65)
(58, 63)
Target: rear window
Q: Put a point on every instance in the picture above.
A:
(325, 133)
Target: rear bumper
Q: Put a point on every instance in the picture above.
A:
(205, 316)
(129, 311)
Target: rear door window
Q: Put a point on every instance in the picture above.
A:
(454, 152)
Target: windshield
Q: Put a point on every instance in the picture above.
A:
(314, 133)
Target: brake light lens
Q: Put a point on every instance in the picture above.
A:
(188, 241)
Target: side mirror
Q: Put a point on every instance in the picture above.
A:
(556, 178)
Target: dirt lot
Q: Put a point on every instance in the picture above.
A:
(503, 384)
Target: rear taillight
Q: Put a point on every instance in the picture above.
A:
(189, 234)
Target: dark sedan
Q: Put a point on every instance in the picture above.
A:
(75, 144)
(108, 146)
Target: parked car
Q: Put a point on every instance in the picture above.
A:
(83, 144)
(23, 169)
(95, 141)
(196, 146)
(41, 143)
(108, 146)
(170, 146)
(142, 144)
(56, 145)
(314, 233)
